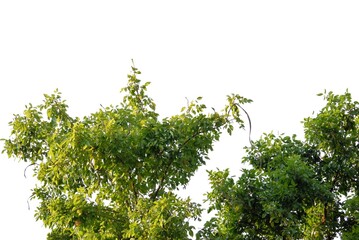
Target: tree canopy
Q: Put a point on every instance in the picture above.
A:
(294, 189)
(113, 174)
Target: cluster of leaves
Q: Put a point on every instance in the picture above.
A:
(294, 189)
(112, 174)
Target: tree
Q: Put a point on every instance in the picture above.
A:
(294, 189)
(112, 174)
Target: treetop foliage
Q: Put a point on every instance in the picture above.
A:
(111, 175)
(294, 189)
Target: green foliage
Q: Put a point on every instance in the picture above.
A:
(294, 189)
(111, 175)
(352, 208)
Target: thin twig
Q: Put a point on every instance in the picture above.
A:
(27, 168)
(250, 124)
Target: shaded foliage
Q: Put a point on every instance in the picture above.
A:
(294, 189)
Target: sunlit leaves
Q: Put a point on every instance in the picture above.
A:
(167, 218)
(111, 175)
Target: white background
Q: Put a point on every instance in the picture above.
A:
(278, 53)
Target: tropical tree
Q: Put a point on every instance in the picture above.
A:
(113, 174)
(294, 189)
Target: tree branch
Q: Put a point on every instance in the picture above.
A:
(160, 186)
